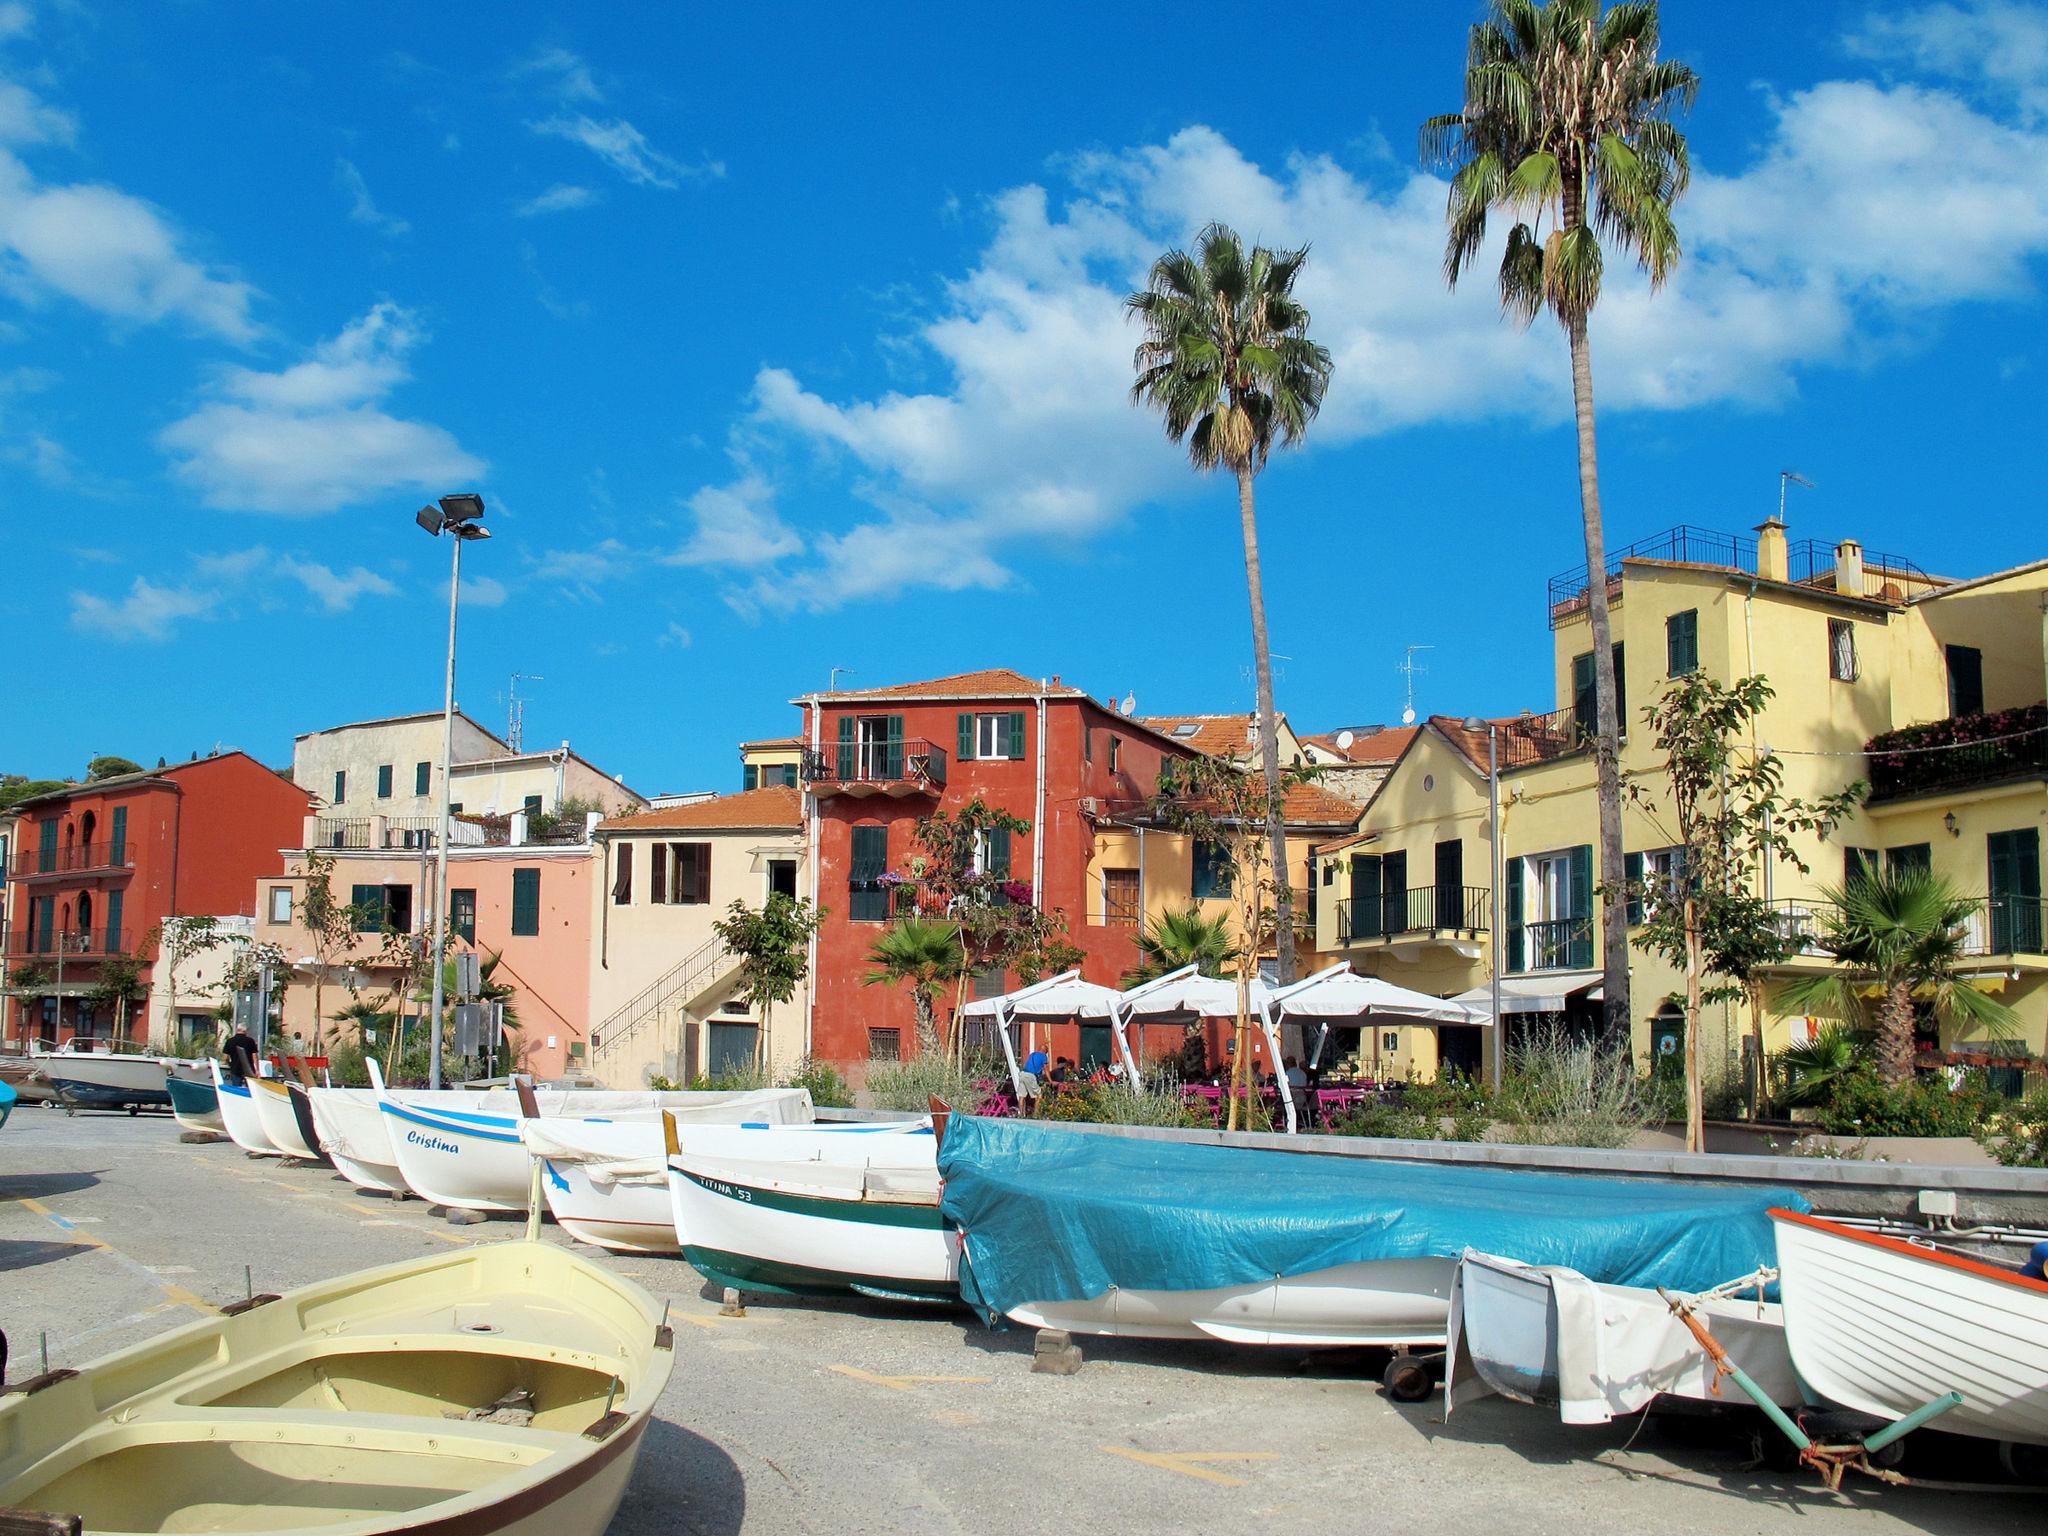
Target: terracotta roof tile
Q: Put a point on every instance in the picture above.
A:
(1217, 735)
(1311, 804)
(993, 682)
(1381, 744)
(774, 744)
(1345, 842)
(776, 808)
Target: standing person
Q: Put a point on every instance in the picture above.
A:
(1029, 1079)
(241, 1052)
(1297, 1089)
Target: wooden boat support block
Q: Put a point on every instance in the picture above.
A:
(1054, 1353)
(248, 1304)
(604, 1427)
(664, 1337)
(732, 1305)
(36, 1522)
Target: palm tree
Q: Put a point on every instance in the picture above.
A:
(1175, 939)
(1814, 1070)
(1566, 126)
(927, 955)
(1228, 362)
(1906, 932)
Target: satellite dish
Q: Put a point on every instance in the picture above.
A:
(1408, 715)
(1344, 740)
(1129, 706)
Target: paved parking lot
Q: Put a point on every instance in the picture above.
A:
(867, 1417)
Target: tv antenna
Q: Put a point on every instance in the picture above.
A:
(1789, 477)
(515, 708)
(1408, 668)
(832, 682)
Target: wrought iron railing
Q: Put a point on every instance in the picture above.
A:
(1560, 944)
(893, 761)
(1888, 578)
(1422, 909)
(73, 943)
(1958, 754)
(77, 859)
(1995, 925)
(1528, 739)
(342, 832)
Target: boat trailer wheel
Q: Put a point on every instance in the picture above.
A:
(1410, 1378)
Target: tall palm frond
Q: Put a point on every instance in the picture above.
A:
(1175, 939)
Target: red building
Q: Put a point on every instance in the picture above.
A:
(878, 760)
(97, 866)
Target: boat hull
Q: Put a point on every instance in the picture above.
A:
(273, 1101)
(104, 1080)
(6, 1102)
(28, 1083)
(195, 1105)
(238, 1117)
(351, 1132)
(374, 1403)
(1597, 1352)
(811, 1229)
(1883, 1326)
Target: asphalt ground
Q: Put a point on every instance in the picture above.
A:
(869, 1417)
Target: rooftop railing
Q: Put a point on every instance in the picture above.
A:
(1958, 754)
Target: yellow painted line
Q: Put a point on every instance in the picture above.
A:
(905, 1383)
(177, 1293)
(699, 1320)
(446, 1237)
(1190, 1463)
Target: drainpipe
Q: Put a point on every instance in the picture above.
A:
(1038, 813)
(1749, 667)
(809, 803)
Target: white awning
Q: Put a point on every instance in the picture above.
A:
(1546, 992)
(1200, 997)
(1067, 998)
(1347, 995)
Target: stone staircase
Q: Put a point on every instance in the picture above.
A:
(650, 1017)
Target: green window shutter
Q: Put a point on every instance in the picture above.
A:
(526, 902)
(1910, 856)
(966, 738)
(423, 778)
(384, 782)
(1087, 743)
(999, 852)
(1580, 941)
(1682, 643)
(1858, 864)
(893, 765)
(1511, 911)
(340, 787)
(46, 852)
(1585, 708)
(1368, 890)
(846, 730)
(1620, 691)
(750, 777)
(868, 901)
(368, 900)
(789, 775)
(114, 919)
(2015, 860)
(1632, 867)
(1013, 735)
(120, 848)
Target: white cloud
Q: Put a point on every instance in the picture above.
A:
(626, 150)
(253, 577)
(363, 208)
(16, 20)
(1813, 254)
(736, 526)
(314, 436)
(673, 638)
(559, 198)
(26, 118)
(564, 73)
(1999, 46)
(484, 592)
(146, 612)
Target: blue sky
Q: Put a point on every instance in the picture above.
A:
(784, 338)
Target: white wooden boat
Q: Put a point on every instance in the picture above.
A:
(1382, 1302)
(1548, 1335)
(27, 1081)
(502, 1389)
(237, 1104)
(274, 1112)
(1884, 1326)
(195, 1106)
(816, 1213)
(472, 1159)
(84, 1072)
(606, 1183)
(351, 1130)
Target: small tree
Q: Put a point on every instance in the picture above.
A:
(925, 954)
(110, 767)
(1212, 802)
(1724, 806)
(118, 986)
(331, 926)
(773, 949)
(178, 940)
(1175, 939)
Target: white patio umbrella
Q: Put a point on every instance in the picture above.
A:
(1185, 996)
(1065, 996)
(1340, 994)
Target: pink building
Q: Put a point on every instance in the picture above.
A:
(524, 899)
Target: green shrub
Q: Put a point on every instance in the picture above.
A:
(1561, 1090)
(1453, 1108)
(826, 1086)
(1861, 1105)
(1117, 1104)
(911, 1085)
(2017, 1134)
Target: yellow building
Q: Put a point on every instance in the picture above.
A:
(765, 764)
(1855, 645)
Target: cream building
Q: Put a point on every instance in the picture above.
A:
(1855, 646)
(662, 985)
(200, 984)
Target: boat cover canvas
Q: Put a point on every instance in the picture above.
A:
(1052, 1214)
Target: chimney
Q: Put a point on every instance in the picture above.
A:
(1773, 559)
(1849, 568)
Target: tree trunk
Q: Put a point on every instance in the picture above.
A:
(1695, 1094)
(1761, 1103)
(1242, 1035)
(1607, 745)
(1895, 1034)
(927, 1023)
(1269, 733)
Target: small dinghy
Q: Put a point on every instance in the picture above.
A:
(237, 1105)
(94, 1075)
(472, 1158)
(1548, 1335)
(814, 1212)
(195, 1106)
(1100, 1232)
(1890, 1328)
(505, 1388)
(280, 1120)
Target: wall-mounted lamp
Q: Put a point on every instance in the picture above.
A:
(1949, 821)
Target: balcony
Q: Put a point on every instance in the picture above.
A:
(1529, 739)
(361, 834)
(78, 859)
(895, 768)
(1420, 915)
(1971, 752)
(1997, 926)
(1559, 944)
(70, 943)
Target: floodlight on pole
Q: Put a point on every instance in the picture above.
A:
(459, 514)
(1495, 914)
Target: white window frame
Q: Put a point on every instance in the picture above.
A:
(280, 895)
(991, 739)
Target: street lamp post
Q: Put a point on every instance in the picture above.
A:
(1493, 877)
(461, 516)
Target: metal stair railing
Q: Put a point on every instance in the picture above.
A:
(684, 980)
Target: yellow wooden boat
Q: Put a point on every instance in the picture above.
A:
(502, 1389)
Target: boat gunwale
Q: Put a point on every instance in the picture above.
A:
(1897, 1245)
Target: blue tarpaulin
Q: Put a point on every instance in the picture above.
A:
(1053, 1214)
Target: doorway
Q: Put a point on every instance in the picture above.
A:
(732, 1046)
(1457, 1050)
